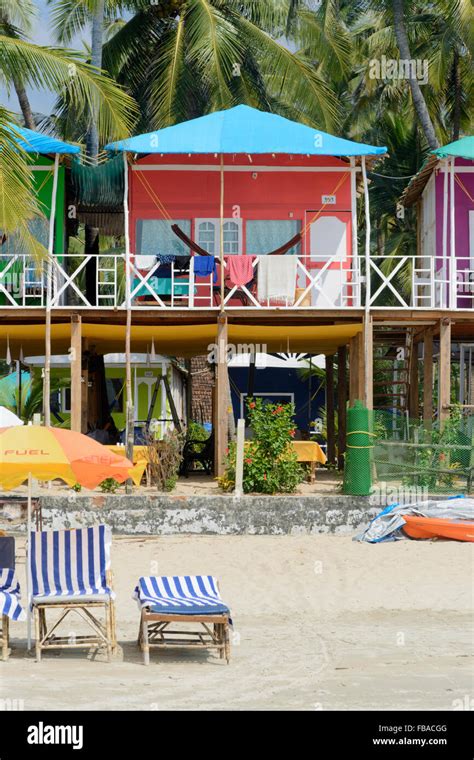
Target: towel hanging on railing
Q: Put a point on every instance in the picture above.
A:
(277, 278)
(239, 269)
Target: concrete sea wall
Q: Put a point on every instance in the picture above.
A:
(207, 515)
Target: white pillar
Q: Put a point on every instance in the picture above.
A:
(355, 251)
(452, 241)
(445, 288)
(367, 322)
(129, 427)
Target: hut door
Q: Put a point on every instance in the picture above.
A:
(329, 239)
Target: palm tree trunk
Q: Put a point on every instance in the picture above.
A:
(92, 150)
(418, 99)
(97, 43)
(24, 104)
(457, 96)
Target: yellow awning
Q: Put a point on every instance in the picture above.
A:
(179, 340)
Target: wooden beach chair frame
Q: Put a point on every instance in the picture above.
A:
(213, 631)
(5, 637)
(155, 634)
(104, 632)
(5, 629)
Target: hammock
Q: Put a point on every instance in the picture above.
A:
(202, 252)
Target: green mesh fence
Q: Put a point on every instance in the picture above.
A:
(408, 453)
(359, 443)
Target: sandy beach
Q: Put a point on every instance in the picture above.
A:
(320, 623)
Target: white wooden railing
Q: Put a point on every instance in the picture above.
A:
(397, 282)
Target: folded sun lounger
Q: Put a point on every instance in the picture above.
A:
(70, 570)
(182, 599)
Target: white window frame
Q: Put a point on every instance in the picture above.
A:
(259, 394)
(216, 223)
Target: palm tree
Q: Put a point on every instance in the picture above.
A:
(65, 72)
(184, 58)
(16, 18)
(417, 95)
(17, 202)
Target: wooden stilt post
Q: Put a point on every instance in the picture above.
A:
(49, 293)
(444, 370)
(413, 397)
(76, 373)
(428, 379)
(354, 345)
(367, 369)
(341, 405)
(331, 448)
(221, 398)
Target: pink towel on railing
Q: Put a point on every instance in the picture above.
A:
(239, 270)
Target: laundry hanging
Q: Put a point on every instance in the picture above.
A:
(277, 279)
(204, 266)
(239, 269)
(181, 263)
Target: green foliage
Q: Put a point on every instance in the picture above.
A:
(196, 432)
(31, 395)
(270, 463)
(109, 485)
(435, 459)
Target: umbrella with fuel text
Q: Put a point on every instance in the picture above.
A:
(47, 453)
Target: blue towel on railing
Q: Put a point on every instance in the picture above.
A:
(204, 266)
(184, 594)
(10, 595)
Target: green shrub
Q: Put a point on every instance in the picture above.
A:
(270, 463)
(109, 485)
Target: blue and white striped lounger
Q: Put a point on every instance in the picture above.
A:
(10, 606)
(181, 594)
(182, 598)
(71, 569)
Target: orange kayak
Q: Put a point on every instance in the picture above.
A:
(429, 527)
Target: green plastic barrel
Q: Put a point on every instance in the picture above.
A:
(359, 444)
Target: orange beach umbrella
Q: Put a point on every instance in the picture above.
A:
(46, 453)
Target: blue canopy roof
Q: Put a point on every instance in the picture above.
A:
(35, 142)
(244, 130)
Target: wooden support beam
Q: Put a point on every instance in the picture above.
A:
(331, 440)
(221, 398)
(354, 345)
(341, 405)
(428, 379)
(413, 396)
(444, 370)
(76, 373)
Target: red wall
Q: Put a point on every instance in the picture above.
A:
(272, 195)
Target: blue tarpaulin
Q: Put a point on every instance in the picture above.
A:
(387, 526)
(244, 130)
(35, 142)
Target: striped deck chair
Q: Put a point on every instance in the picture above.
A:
(182, 599)
(10, 606)
(70, 572)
